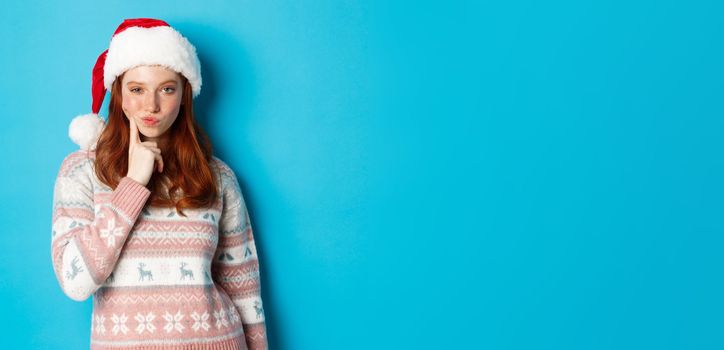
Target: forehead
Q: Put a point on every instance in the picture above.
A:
(150, 74)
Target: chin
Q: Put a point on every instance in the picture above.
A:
(150, 131)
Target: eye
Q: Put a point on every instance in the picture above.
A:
(169, 90)
(135, 90)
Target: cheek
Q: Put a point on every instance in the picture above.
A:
(172, 105)
(129, 104)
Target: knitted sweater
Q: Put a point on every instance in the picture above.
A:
(159, 280)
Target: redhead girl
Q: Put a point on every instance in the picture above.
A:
(145, 218)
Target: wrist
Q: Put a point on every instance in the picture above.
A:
(137, 180)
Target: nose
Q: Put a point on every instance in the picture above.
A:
(151, 102)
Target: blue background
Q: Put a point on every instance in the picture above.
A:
(428, 175)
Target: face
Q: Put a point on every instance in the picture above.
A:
(152, 97)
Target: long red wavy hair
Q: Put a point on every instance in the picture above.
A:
(187, 180)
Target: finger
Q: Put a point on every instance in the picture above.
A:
(134, 139)
(159, 159)
(153, 149)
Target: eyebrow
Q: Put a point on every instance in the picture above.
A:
(139, 83)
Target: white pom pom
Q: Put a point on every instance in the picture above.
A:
(85, 129)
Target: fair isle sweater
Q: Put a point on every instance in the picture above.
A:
(159, 280)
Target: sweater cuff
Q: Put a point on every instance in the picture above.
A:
(130, 197)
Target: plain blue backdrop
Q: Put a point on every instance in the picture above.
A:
(420, 175)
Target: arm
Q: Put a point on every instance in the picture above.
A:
(236, 267)
(87, 240)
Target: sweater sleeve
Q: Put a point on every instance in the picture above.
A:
(87, 239)
(236, 266)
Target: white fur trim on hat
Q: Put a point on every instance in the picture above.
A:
(85, 129)
(161, 45)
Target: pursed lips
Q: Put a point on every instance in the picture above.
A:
(149, 120)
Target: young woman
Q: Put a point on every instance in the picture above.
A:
(145, 218)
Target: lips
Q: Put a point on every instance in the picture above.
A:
(149, 121)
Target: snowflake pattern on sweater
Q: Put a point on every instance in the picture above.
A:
(159, 280)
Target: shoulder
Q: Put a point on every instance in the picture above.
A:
(227, 177)
(219, 165)
(76, 160)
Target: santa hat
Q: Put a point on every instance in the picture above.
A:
(137, 41)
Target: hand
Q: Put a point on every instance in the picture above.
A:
(143, 157)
